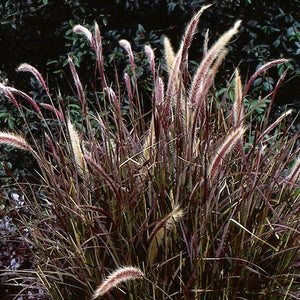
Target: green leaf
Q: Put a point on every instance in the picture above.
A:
(52, 62)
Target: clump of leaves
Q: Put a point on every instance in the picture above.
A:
(201, 202)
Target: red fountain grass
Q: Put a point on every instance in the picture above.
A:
(204, 201)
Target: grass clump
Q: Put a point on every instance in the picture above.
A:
(201, 202)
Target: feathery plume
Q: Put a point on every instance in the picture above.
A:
(149, 140)
(126, 45)
(205, 44)
(14, 140)
(208, 60)
(203, 90)
(159, 91)
(99, 54)
(158, 232)
(188, 36)
(128, 86)
(264, 68)
(179, 62)
(238, 113)
(169, 54)
(223, 151)
(75, 143)
(173, 82)
(28, 68)
(83, 30)
(150, 55)
(120, 275)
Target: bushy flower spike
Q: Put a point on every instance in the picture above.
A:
(149, 140)
(150, 55)
(128, 86)
(4, 89)
(14, 140)
(28, 68)
(179, 62)
(173, 85)
(120, 275)
(262, 69)
(223, 151)
(204, 88)
(169, 54)
(99, 54)
(205, 44)
(238, 113)
(75, 143)
(188, 37)
(83, 30)
(159, 92)
(208, 60)
(126, 45)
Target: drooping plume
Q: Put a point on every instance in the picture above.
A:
(14, 140)
(120, 275)
(213, 53)
(223, 151)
